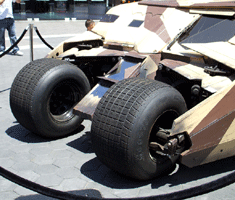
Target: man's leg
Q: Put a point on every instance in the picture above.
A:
(2, 34)
(12, 33)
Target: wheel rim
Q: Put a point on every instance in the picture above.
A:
(164, 121)
(62, 100)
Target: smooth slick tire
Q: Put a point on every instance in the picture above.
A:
(43, 95)
(124, 124)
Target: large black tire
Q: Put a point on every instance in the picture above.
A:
(124, 124)
(43, 95)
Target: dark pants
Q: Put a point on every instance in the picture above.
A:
(9, 24)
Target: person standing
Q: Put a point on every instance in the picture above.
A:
(7, 22)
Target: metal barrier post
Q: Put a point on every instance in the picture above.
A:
(31, 41)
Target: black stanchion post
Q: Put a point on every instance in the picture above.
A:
(31, 41)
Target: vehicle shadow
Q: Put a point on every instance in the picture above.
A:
(82, 143)
(184, 174)
(22, 134)
(90, 193)
(98, 172)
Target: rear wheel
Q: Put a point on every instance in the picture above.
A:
(43, 95)
(126, 123)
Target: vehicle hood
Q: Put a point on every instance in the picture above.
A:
(143, 28)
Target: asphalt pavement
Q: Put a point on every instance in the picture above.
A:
(69, 164)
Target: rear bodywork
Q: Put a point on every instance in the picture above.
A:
(189, 45)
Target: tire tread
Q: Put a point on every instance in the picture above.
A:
(113, 120)
(23, 88)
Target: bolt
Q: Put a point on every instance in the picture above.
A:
(160, 66)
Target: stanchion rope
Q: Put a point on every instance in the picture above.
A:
(182, 194)
(21, 37)
(17, 41)
(39, 35)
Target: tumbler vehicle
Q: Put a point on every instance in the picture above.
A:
(156, 78)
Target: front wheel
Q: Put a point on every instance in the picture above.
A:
(43, 95)
(126, 122)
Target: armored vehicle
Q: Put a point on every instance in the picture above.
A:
(156, 78)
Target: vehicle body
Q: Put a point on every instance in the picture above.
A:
(156, 79)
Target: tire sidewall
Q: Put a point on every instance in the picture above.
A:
(42, 94)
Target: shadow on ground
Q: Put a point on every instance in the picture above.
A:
(98, 172)
(22, 134)
(82, 144)
(87, 193)
(185, 175)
